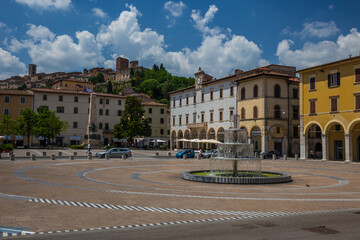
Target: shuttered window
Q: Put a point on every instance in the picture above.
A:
(357, 102)
(357, 75)
(334, 79)
(312, 107)
(312, 83)
(255, 112)
(333, 104)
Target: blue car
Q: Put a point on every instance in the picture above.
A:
(189, 153)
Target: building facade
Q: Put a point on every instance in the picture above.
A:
(330, 110)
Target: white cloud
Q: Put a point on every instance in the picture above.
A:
(201, 22)
(10, 65)
(315, 29)
(46, 4)
(40, 32)
(98, 12)
(313, 54)
(175, 9)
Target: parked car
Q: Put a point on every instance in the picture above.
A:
(189, 153)
(114, 153)
(269, 154)
(208, 154)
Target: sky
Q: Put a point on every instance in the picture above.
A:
(218, 36)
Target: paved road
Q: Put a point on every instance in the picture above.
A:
(314, 227)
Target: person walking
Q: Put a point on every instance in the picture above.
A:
(89, 148)
(312, 155)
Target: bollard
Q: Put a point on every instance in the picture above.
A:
(262, 157)
(285, 157)
(296, 157)
(169, 154)
(52, 157)
(44, 153)
(28, 154)
(33, 158)
(60, 153)
(75, 153)
(256, 155)
(107, 156)
(89, 156)
(185, 156)
(157, 154)
(274, 156)
(12, 157)
(72, 157)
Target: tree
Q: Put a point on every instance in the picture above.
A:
(48, 124)
(109, 87)
(132, 123)
(7, 126)
(100, 78)
(26, 123)
(155, 68)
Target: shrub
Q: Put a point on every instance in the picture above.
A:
(6, 147)
(77, 147)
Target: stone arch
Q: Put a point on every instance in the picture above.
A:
(211, 133)
(243, 127)
(255, 136)
(313, 134)
(278, 141)
(187, 135)
(309, 124)
(220, 134)
(332, 123)
(202, 134)
(352, 124)
(180, 134)
(173, 138)
(194, 134)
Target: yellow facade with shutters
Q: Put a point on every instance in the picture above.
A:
(330, 110)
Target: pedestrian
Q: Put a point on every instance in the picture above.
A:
(312, 154)
(200, 152)
(89, 148)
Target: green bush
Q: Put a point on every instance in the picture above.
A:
(6, 147)
(77, 147)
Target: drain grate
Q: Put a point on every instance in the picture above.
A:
(321, 230)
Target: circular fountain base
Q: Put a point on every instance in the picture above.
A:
(208, 177)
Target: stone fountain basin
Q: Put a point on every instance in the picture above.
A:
(194, 176)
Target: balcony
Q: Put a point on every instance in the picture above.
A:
(197, 125)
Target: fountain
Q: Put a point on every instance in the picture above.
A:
(235, 163)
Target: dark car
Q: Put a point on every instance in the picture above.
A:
(189, 153)
(208, 154)
(114, 153)
(269, 154)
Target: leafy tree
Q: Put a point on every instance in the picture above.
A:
(26, 123)
(155, 68)
(162, 67)
(98, 88)
(22, 87)
(109, 87)
(132, 123)
(7, 126)
(151, 87)
(48, 124)
(100, 78)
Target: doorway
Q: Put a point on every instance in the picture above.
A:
(278, 147)
(338, 150)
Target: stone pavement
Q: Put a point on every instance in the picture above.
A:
(63, 195)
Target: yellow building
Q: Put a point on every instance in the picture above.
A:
(12, 102)
(330, 110)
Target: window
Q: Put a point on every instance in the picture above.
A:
(312, 106)
(211, 116)
(7, 99)
(180, 101)
(76, 99)
(6, 111)
(295, 132)
(107, 101)
(194, 117)
(357, 75)
(334, 79)
(295, 112)
(161, 121)
(107, 112)
(202, 97)
(101, 101)
(277, 91)
(119, 102)
(180, 120)
(231, 113)
(174, 121)
(202, 117)
(333, 104)
(150, 110)
(231, 91)
(100, 112)
(194, 98)
(174, 102)
(295, 93)
(162, 111)
(75, 125)
(211, 95)
(162, 131)
(255, 112)
(60, 98)
(242, 113)
(357, 102)
(100, 125)
(220, 116)
(106, 126)
(187, 118)
(119, 112)
(150, 120)
(75, 110)
(187, 100)
(60, 109)
(312, 83)
(256, 91)
(221, 93)
(277, 111)
(278, 130)
(22, 100)
(44, 97)
(242, 94)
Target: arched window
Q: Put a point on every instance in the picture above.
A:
(255, 112)
(242, 97)
(256, 89)
(277, 91)
(242, 113)
(277, 111)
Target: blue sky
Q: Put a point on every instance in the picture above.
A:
(218, 36)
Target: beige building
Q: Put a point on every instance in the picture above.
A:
(12, 102)
(68, 84)
(124, 71)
